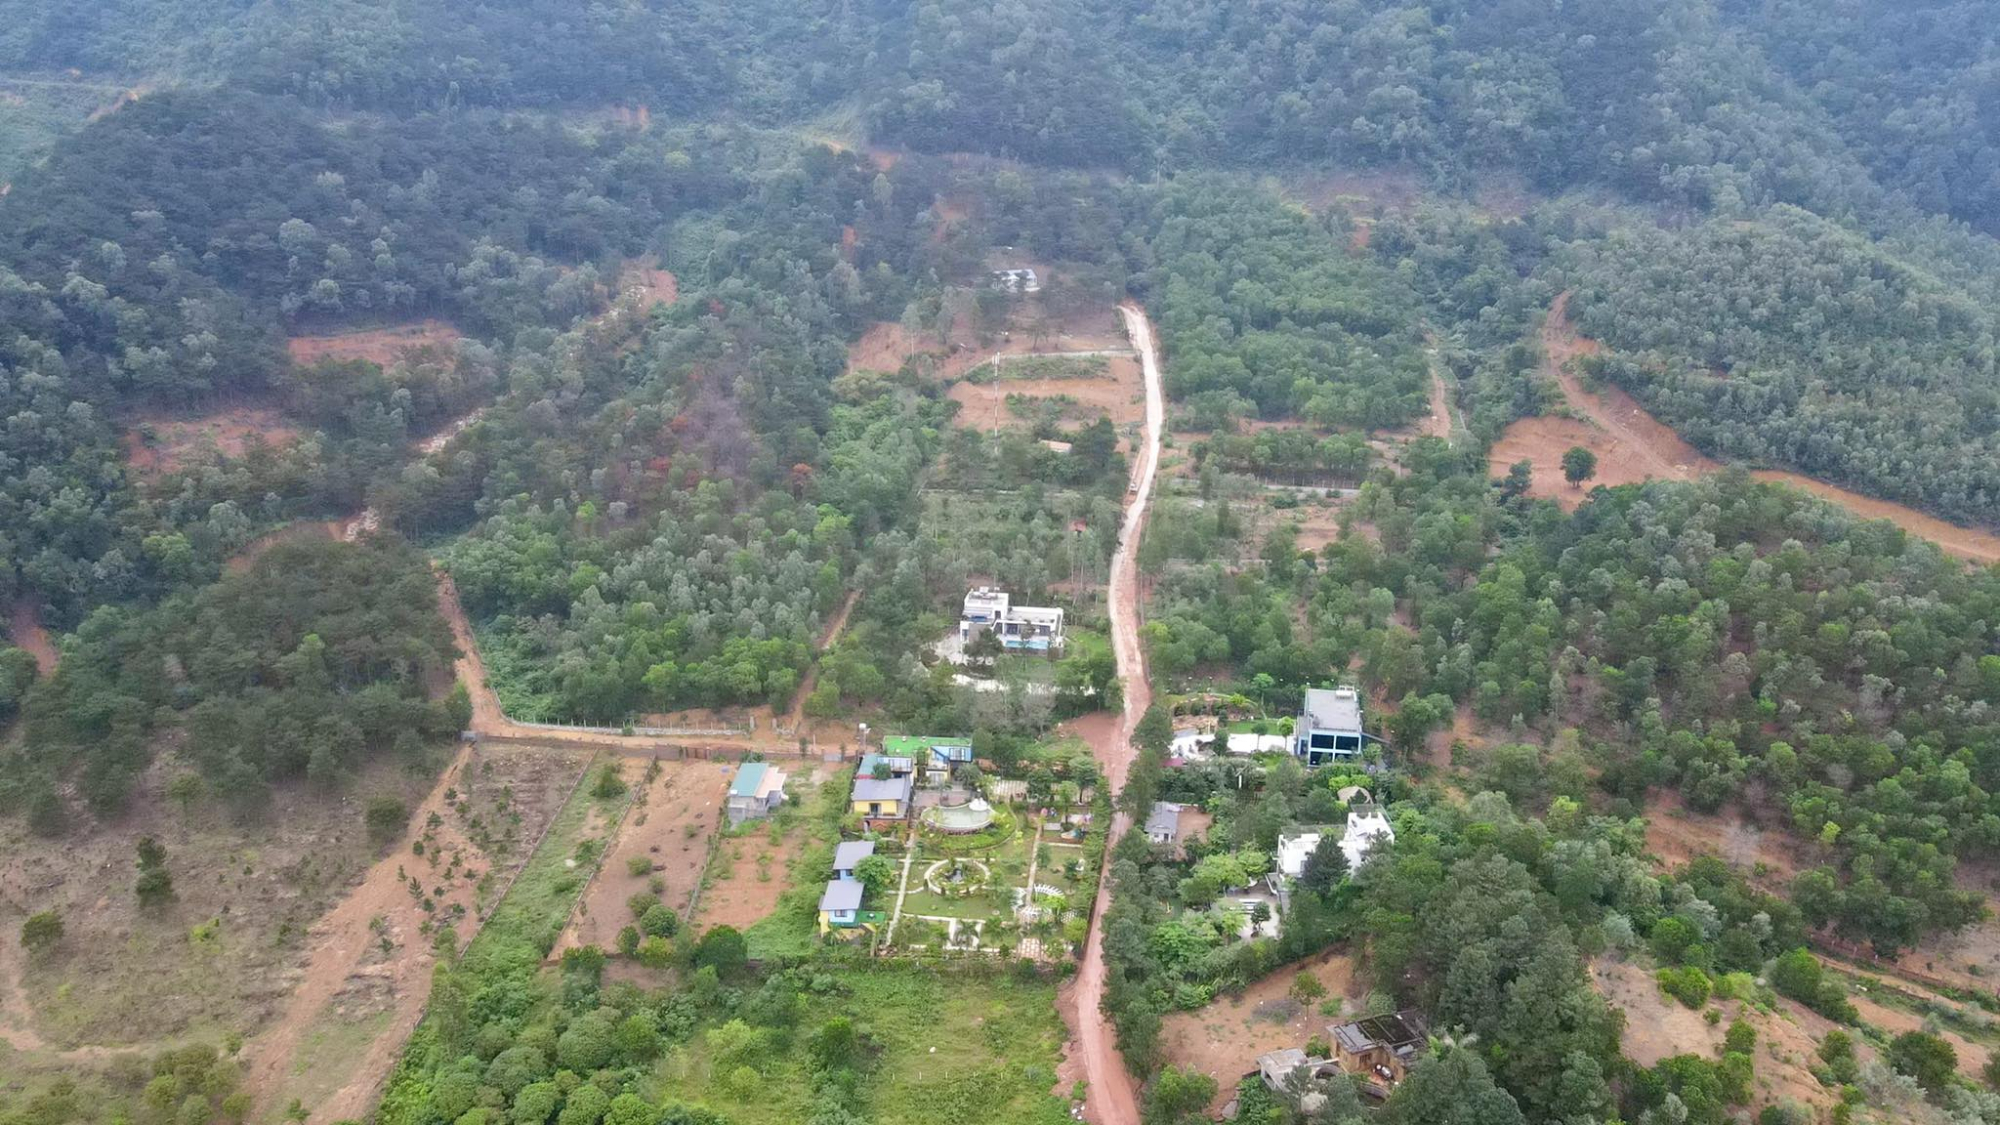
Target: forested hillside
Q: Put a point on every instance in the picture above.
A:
(694, 344)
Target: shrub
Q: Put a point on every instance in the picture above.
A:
(659, 921)
(609, 783)
(42, 931)
(385, 819)
(1925, 1057)
(638, 866)
(1687, 984)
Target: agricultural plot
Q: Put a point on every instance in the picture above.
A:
(970, 1048)
(659, 848)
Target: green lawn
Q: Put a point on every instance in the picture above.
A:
(996, 1036)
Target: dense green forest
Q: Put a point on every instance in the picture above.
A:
(306, 664)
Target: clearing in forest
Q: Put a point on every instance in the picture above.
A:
(1632, 446)
(26, 632)
(1110, 388)
(380, 346)
(1658, 1027)
(675, 810)
(1223, 1039)
(158, 445)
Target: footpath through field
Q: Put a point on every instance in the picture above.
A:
(1112, 1098)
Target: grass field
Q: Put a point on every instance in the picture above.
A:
(955, 1048)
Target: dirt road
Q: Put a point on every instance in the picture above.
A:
(797, 715)
(1112, 1097)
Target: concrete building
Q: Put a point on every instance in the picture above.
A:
(1163, 824)
(1365, 830)
(1329, 726)
(1017, 627)
(759, 788)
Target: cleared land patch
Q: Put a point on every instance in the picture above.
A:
(381, 346)
(158, 445)
(674, 812)
(367, 971)
(1658, 1027)
(1223, 1039)
(1632, 446)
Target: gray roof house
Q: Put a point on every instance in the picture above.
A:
(1329, 726)
(1163, 824)
(882, 797)
(848, 854)
(840, 905)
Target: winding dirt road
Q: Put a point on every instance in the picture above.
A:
(1112, 1098)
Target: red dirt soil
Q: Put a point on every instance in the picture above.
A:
(743, 899)
(1224, 1039)
(383, 907)
(648, 286)
(381, 346)
(1112, 1097)
(1658, 1027)
(1632, 446)
(25, 632)
(177, 442)
(669, 822)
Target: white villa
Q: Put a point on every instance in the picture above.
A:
(1018, 627)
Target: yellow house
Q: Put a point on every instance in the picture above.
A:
(881, 798)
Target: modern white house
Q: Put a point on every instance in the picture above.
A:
(1018, 627)
(1294, 848)
(1329, 726)
(1365, 830)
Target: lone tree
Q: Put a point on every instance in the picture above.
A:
(1579, 465)
(155, 886)
(1325, 867)
(876, 873)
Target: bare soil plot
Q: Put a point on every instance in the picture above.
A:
(225, 954)
(25, 632)
(1658, 1027)
(1894, 1020)
(748, 875)
(675, 810)
(1117, 394)
(1676, 834)
(648, 285)
(367, 968)
(1224, 1039)
(380, 346)
(157, 445)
